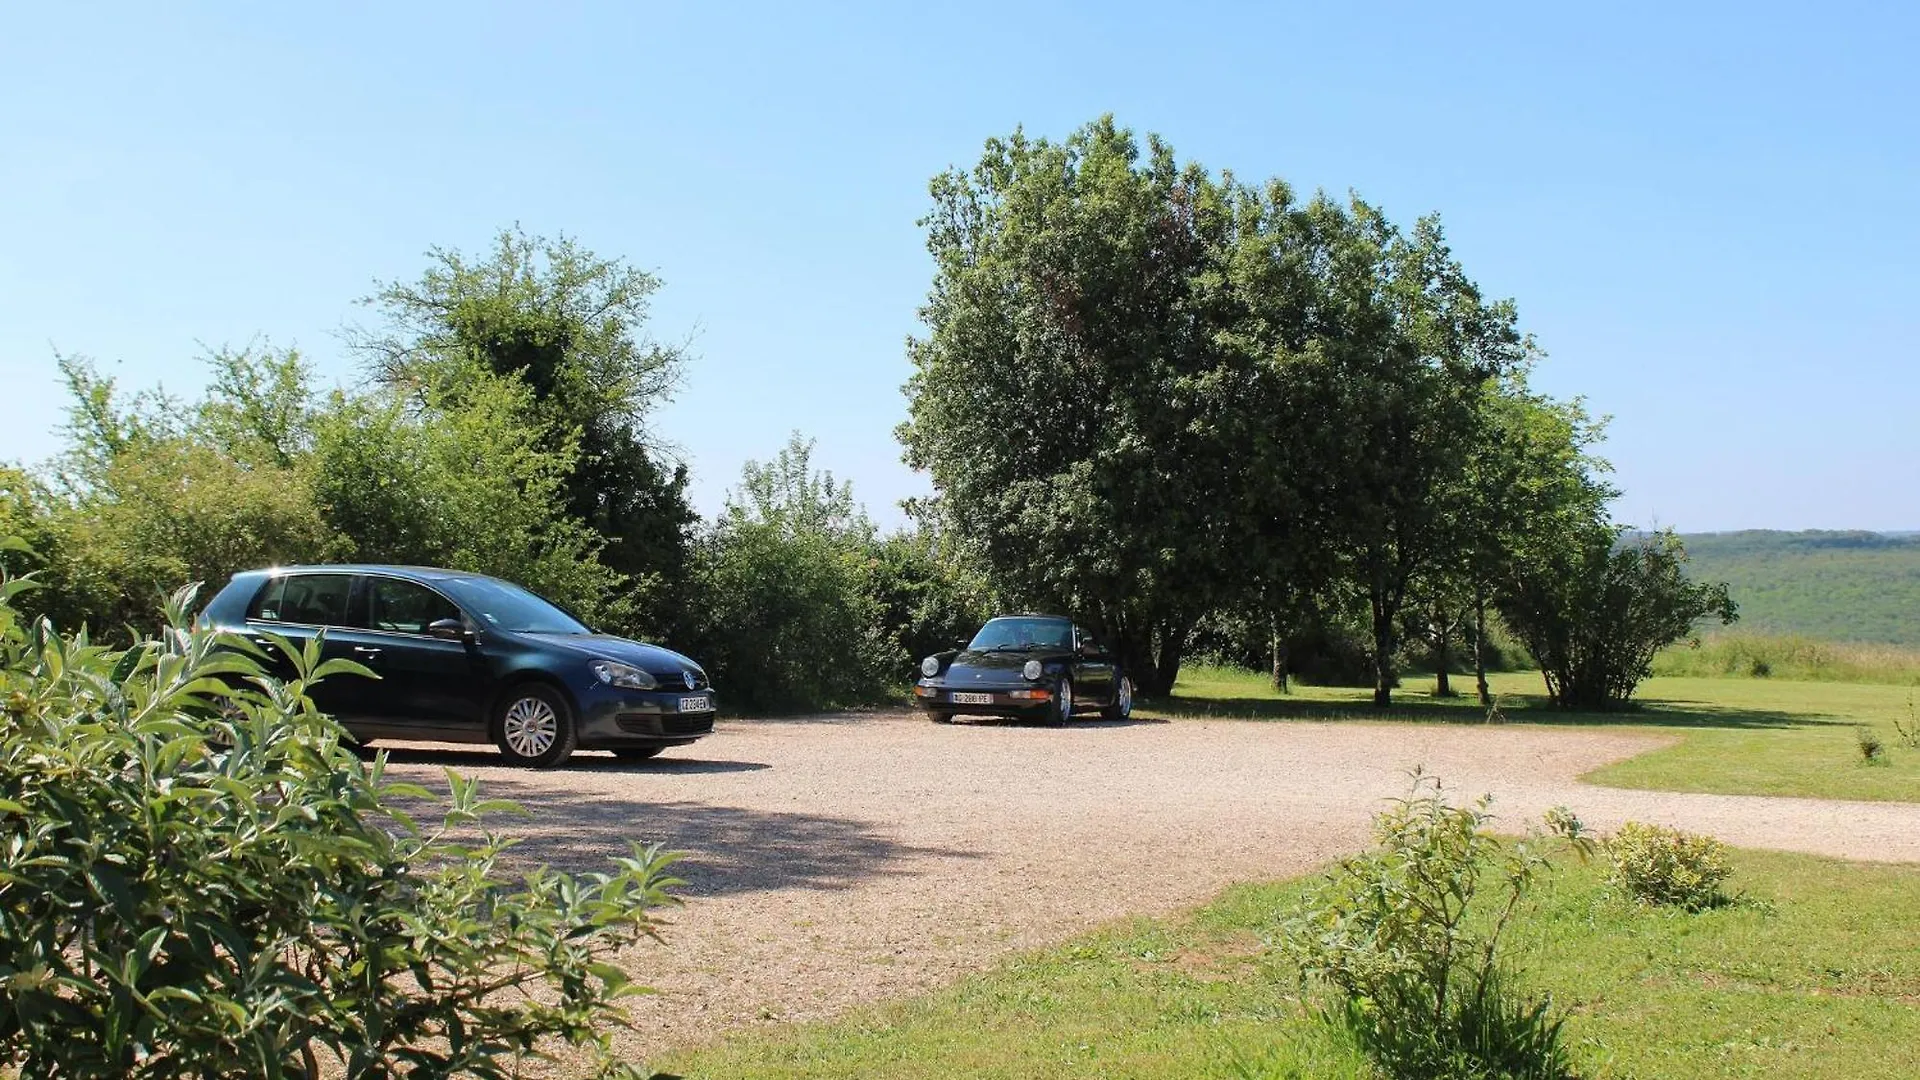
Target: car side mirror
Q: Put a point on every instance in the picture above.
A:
(960, 643)
(449, 630)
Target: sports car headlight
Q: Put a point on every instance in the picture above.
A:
(930, 667)
(1031, 671)
(622, 675)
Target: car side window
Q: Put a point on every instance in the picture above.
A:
(1087, 644)
(310, 599)
(404, 607)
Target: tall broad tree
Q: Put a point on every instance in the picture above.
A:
(1411, 364)
(571, 325)
(1534, 487)
(1067, 396)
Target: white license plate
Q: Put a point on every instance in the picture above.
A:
(973, 699)
(703, 703)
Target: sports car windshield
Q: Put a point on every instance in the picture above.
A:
(1017, 633)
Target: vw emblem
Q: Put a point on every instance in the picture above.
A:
(689, 679)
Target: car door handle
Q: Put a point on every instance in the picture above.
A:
(366, 651)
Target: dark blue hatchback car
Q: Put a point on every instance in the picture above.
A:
(469, 658)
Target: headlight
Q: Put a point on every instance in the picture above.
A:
(1031, 671)
(623, 675)
(930, 667)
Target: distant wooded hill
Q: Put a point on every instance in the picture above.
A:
(1838, 586)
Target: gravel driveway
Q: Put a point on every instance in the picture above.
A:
(839, 860)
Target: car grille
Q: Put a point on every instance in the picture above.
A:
(674, 680)
(668, 724)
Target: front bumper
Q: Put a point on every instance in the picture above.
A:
(612, 717)
(1022, 699)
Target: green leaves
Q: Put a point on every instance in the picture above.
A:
(1595, 611)
(1408, 936)
(197, 877)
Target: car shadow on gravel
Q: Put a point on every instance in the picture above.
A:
(467, 759)
(1077, 724)
(730, 850)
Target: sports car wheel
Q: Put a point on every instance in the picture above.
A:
(534, 727)
(1062, 703)
(1122, 706)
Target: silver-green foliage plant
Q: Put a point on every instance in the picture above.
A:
(198, 877)
(1658, 865)
(1409, 936)
(1908, 730)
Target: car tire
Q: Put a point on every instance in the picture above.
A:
(638, 753)
(1122, 706)
(940, 717)
(534, 727)
(1062, 711)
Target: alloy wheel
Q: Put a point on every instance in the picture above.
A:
(530, 727)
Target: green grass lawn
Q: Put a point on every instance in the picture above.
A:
(1737, 736)
(1813, 972)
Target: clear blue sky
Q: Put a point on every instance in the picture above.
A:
(1710, 218)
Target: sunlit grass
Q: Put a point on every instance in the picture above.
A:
(1783, 656)
(1813, 972)
(1737, 736)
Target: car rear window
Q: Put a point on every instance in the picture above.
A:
(313, 599)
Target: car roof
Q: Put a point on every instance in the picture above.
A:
(1029, 615)
(424, 573)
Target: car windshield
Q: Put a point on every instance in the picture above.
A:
(1019, 633)
(511, 608)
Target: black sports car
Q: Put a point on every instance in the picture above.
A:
(1032, 666)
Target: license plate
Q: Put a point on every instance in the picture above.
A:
(703, 703)
(973, 699)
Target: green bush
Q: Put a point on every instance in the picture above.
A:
(786, 613)
(199, 878)
(1409, 938)
(1873, 749)
(1595, 612)
(1658, 865)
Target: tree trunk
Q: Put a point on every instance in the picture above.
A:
(1278, 652)
(1382, 652)
(1480, 643)
(1173, 648)
(1151, 655)
(1443, 658)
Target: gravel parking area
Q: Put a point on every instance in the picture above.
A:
(839, 860)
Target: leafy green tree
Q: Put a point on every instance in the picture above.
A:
(928, 592)
(570, 326)
(198, 877)
(1594, 611)
(259, 407)
(1533, 488)
(471, 481)
(1066, 396)
(141, 504)
(785, 590)
(1411, 362)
